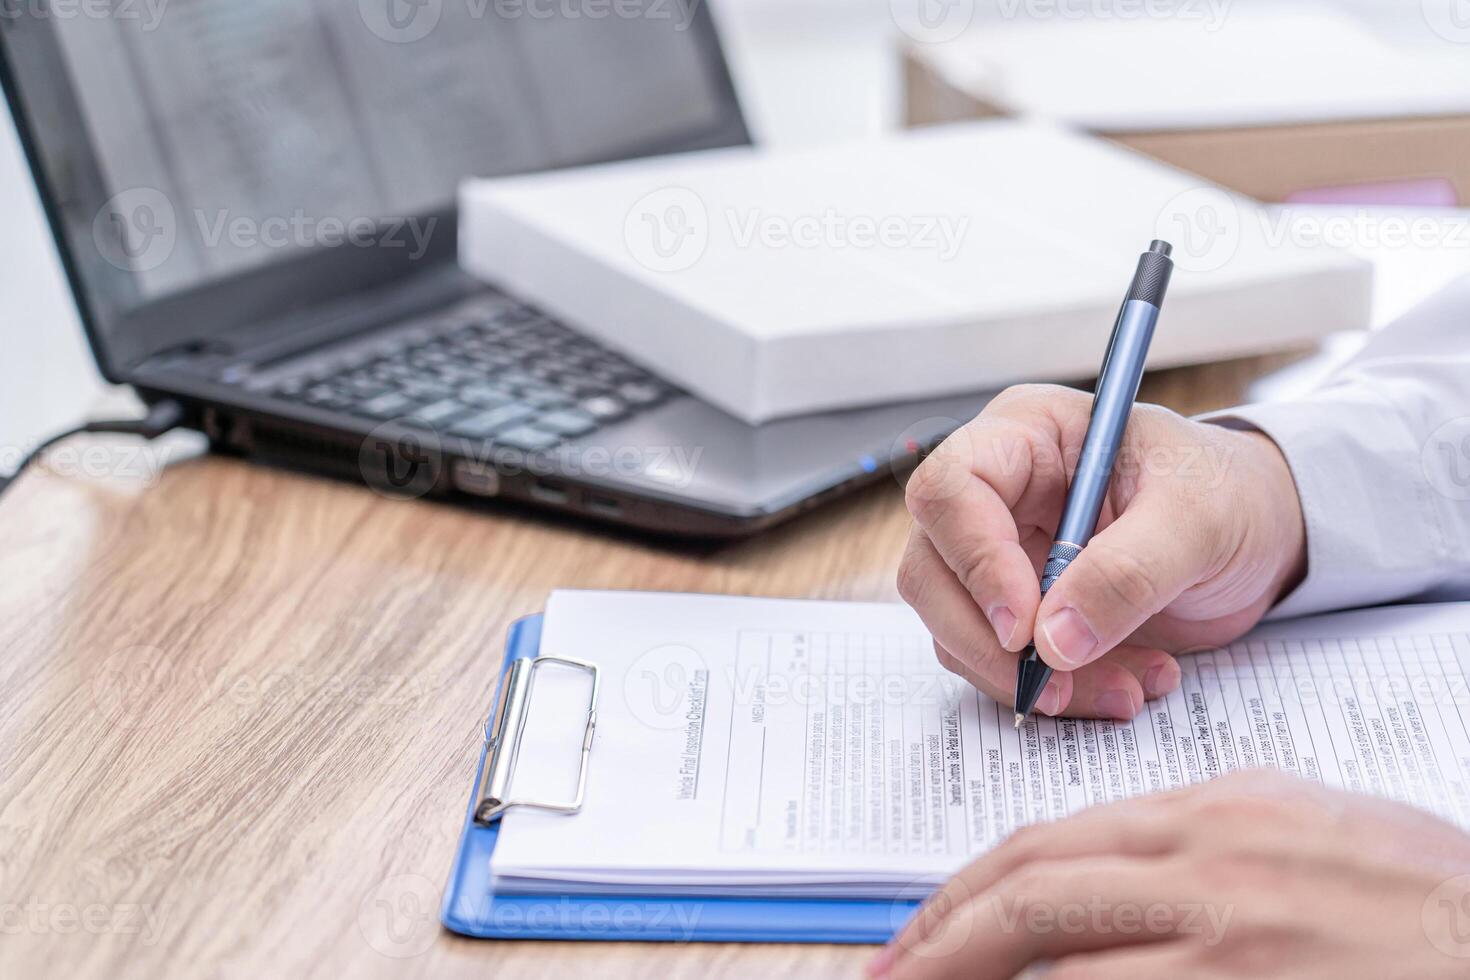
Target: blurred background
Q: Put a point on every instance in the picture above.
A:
(811, 71)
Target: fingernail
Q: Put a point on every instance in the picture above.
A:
(1070, 636)
(1161, 680)
(1003, 621)
(1050, 701)
(879, 965)
(1116, 704)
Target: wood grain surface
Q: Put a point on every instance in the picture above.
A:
(239, 710)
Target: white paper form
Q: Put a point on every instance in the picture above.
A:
(780, 746)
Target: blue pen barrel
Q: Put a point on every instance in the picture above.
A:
(1117, 387)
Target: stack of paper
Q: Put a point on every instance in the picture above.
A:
(774, 747)
(939, 261)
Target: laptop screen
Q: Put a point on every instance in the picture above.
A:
(224, 139)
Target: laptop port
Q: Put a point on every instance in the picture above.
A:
(602, 506)
(549, 493)
(477, 479)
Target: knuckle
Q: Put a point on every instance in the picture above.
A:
(1026, 843)
(945, 902)
(1016, 396)
(1222, 811)
(968, 663)
(937, 479)
(913, 581)
(919, 496)
(1033, 396)
(946, 659)
(1258, 780)
(972, 566)
(1033, 883)
(1226, 809)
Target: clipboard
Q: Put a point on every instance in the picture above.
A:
(472, 908)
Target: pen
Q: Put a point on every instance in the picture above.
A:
(1117, 387)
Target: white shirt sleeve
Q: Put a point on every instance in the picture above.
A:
(1381, 459)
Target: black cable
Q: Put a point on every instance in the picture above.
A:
(162, 417)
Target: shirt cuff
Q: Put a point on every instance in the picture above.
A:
(1366, 504)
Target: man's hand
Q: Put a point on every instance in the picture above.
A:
(1201, 533)
(1256, 874)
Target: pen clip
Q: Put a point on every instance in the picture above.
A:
(1102, 372)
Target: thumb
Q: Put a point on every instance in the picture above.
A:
(1127, 573)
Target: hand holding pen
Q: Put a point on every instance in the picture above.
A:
(1112, 403)
(1196, 533)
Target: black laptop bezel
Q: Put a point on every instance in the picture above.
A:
(228, 312)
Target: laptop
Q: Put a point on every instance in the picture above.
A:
(254, 205)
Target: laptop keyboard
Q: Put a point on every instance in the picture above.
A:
(502, 373)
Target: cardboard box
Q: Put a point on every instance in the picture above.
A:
(1276, 106)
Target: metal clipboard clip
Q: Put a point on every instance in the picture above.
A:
(503, 740)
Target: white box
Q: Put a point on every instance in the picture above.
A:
(936, 261)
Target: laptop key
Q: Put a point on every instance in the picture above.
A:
(492, 363)
(583, 390)
(363, 389)
(395, 370)
(637, 393)
(487, 423)
(455, 376)
(485, 373)
(544, 397)
(391, 405)
(604, 408)
(485, 395)
(518, 379)
(526, 439)
(324, 396)
(441, 411)
(426, 390)
(568, 422)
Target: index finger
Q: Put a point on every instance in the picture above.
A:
(1141, 827)
(965, 497)
(1047, 910)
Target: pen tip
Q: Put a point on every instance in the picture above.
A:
(1019, 719)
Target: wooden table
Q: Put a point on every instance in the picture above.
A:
(239, 712)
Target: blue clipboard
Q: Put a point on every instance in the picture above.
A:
(472, 908)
